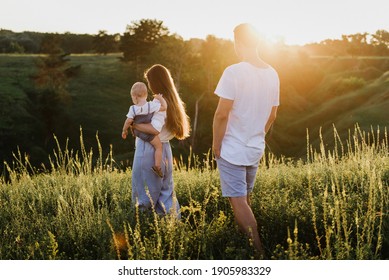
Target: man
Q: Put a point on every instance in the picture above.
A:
(249, 97)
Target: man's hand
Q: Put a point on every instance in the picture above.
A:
(216, 152)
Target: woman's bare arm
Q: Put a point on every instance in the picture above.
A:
(162, 101)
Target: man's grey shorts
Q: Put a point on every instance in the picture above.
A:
(236, 180)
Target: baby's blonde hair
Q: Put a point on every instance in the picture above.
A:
(139, 90)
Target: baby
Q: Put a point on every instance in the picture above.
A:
(142, 112)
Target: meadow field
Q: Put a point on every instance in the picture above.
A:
(320, 192)
(333, 204)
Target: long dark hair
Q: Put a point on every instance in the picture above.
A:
(160, 81)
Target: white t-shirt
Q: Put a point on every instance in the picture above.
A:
(255, 91)
(158, 122)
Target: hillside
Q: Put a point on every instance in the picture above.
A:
(316, 92)
(99, 100)
(359, 101)
(350, 91)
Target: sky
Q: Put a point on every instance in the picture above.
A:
(292, 21)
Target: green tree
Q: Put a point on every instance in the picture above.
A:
(357, 44)
(51, 81)
(104, 43)
(51, 73)
(174, 53)
(76, 43)
(381, 37)
(139, 40)
(380, 41)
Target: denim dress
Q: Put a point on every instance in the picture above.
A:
(148, 189)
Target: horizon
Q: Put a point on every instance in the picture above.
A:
(297, 23)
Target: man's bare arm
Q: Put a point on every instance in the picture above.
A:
(272, 117)
(220, 120)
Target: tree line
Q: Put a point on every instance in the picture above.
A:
(359, 44)
(147, 33)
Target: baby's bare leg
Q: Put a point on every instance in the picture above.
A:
(157, 144)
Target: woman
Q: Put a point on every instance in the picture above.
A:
(149, 190)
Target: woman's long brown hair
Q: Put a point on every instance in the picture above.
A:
(160, 81)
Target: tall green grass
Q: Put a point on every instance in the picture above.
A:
(331, 205)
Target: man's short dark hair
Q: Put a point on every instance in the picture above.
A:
(246, 34)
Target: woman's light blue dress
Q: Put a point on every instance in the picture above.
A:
(149, 190)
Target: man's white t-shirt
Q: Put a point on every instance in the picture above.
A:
(255, 91)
